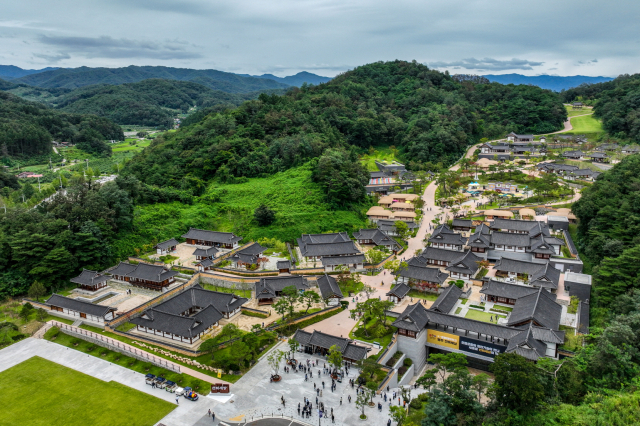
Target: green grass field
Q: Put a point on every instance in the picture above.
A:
(482, 316)
(126, 146)
(39, 392)
(416, 294)
(581, 111)
(585, 124)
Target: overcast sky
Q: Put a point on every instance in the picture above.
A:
(283, 37)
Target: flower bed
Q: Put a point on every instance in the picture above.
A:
(477, 307)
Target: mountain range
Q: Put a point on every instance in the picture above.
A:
(551, 82)
(11, 71)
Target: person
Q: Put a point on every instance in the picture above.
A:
(323, 384)
(177, 398)
(209, 412)
(333, 419)
(314, 386)
(305, 377)
(379, 407)
(389, 422)
(385, 397)
(213, 416)
(349, 399)
(340, 400)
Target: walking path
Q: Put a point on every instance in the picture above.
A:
(567, 124)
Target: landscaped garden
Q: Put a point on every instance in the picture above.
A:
(40, 392)
(416, 294)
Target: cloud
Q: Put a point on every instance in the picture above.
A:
(488, 64)
(108, 47)
(55, 58)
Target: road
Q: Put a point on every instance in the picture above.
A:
(567, 125)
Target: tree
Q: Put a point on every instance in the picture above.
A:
(308, 298)
(335, 358)
(438, 411)
(480, 384)
(293, 346)
(41, 314)
(517, 385)
(281, 306)
(362, 400)
(398, 414)
(378, 309)
(37, 290)
(357, 313)
(402, 229)
(274, 359)
(25, 311)
(447, 363)
(264, 215)
(428, 379)
(368, 290)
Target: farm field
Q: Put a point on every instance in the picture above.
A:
(40, 392)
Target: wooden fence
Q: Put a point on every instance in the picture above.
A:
(117, 345)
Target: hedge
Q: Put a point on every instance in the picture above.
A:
(477, 307)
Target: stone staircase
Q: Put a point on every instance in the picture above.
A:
(77, 323)
(40, 333)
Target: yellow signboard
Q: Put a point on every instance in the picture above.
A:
(441, 338)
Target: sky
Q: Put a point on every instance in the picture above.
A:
(326, 37)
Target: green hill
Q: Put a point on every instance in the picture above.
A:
(425, 113)
(72, 78)
(27, 128)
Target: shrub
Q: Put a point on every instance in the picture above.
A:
(416, 404)
(407, 362)
(477, 307)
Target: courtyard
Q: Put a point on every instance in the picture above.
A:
(41, 392)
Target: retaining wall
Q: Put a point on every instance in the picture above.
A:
(408, 375)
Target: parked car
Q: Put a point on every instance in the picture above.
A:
(190, 394)
(149, 379)
(171, 386)
(161, 382)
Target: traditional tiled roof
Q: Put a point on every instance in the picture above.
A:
(462, 223)
(547, 276)
(212, 236)
(479, 240)
(336, 237)
(122, 269)
(205, 252)
(342, 260)
(328, 287)
(465, 264)
(153, 273)
(267, 287)
(508, 290)
(388, 225)
(78, 305)
(167, 244)
(206, 262)
(422, 273)
(399, 290)
(573, 154)
(525, 345)
(539, 307)
(283, 264)
(90, 278)
(447, 299)
(253, 249)
(440, 254)
(188, 327)
(197, 296)
(349, 349)
(327, 249)
(510, 239)
(516, 266)
(376, 235)
(443, 235)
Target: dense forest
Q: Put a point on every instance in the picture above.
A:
(27, 128)
(617, 103)
(431, 117)
(72, 78)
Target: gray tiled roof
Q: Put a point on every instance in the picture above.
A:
(572, 154)
(167, 244)
(153, 273)
(212, 236)
(283, 264)
(414, 318)
(90, 278)
(349, 349)
(78, 305)
(399, 290)
(387, 225)
(205, 252)
(342, 260)
(422, 273)
(463, 223)
(267, 287)
(517, 266)
(540, 307)
(188, 327)
(197, 296)
(466, 264)
(510, 239)
(328, 287)
(447, 299)
(440, 254)
(327, 249)
(253, 249)
(510, 291)
(547, 277)
(379, 238)
(479, 240)
(442, 234)
(206, 263)
(543, 246)
(122, 269)
(336, 237)
(524, 344)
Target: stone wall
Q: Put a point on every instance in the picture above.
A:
(414, 349)
(408, 375)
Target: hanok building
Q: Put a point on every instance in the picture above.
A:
(376, 237)
(559, 169)
(335, 263)
(506, 293)
(90, 280)
(154, 277)
(270, 288)
(513, 137)
(535, 274)
(539, 308)
(422, 332)
(205, 253)
(421, 277)
(320, 343)
(329, 290)
(397, 293)
(447, 299)
(205, 264)
(583, 174)
(480, 241)
(79, 309)
(283, 266)
(189, 315)
(599, 157)
(166, 246)
(463, 225)
(440, 257)
(389, 227)
(202, 237)
(631, 149)
(577, 105)
(248, 256)
(465, 267)
(445, 238)
(573, 155)
(314, 247)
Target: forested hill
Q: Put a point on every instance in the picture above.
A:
(153, 102)
(424, 112)
(556, 83)
(617, 103)
(27, 128)
(72, 78)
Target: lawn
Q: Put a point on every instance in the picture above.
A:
(39, 392)
(130, 145)
(482, 316)
(236, 291)
(383, 340)
(581, 111)
(422, 295)
(585, 124)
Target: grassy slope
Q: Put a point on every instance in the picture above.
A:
(39, 392)
(298, 202)
(585, 124)
(381, 153)
(581, 111)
